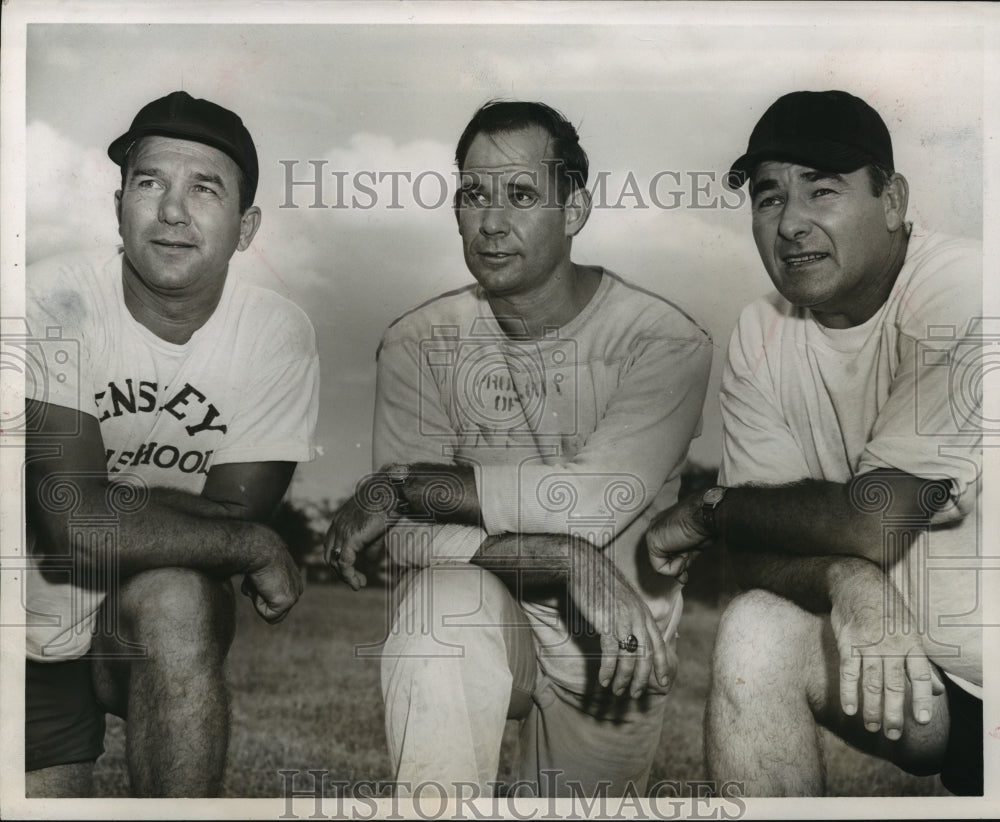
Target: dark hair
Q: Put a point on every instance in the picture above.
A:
(503, 117)
(879, 177)
(242, 181)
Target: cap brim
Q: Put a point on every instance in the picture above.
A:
(119, 148)
(823, 156)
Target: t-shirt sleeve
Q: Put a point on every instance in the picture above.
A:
(758, 445)
(932, 421)
(54, 352)
(640, 441)
(276, 420)
(411, 425)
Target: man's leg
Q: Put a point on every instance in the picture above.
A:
(174, 696)
(586, 745)
(458, 661)
(775, 677)
(63, 728)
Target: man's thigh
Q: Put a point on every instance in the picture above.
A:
(165, 612)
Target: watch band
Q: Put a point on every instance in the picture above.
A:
(397, 475)
(709, 502)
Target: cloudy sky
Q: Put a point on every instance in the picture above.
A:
(664, 96)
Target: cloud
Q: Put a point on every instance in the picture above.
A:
(69, 189)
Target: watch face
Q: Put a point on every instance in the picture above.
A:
(713, 496)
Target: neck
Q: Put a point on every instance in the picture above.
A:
(876, 291)
(560, 300)
(170, 317)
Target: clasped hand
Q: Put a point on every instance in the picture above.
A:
(358, 524)
(675, 537)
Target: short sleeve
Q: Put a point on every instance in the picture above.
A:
(931, 424)
(278, 413)
(758, 446)
(54, 347)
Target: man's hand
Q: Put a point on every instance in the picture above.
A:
(876, 657)
(359, 523)
(607, 601)
(674, 537)
(272, 580)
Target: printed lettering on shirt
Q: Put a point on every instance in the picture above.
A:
(139, 397)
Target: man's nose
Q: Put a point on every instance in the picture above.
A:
(794, 223)
(173, 207)
(495, 219)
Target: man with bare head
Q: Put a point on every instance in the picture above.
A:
(529, 426)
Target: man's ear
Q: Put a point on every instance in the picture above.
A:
(249, 223)
(118, 209)
(577, 210)
(895, 197)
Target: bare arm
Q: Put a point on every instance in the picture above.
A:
(817, 518)
(808, 518)
(219, 532)
(541, 562)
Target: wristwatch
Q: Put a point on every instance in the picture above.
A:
(397, 475)
(709, 502)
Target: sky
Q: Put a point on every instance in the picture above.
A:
(664, 96)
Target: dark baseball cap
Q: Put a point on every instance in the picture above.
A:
(187, 118)
(826, 130)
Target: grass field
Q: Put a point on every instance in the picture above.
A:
(303, 700)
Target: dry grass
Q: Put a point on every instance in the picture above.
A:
(302, 699)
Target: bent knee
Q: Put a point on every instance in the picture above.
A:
(457, 594)
(182, 604)
(451, 609)
(761, 634)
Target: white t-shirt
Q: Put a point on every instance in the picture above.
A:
(244, 388)
(800, 400)
(583, 432)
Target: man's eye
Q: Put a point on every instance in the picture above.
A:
(822, 192)
(766, 202)
(525, 198)
(147, 183)
(473, 197)
(204, 190)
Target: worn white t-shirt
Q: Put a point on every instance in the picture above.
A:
(901, 391)
(582, 432)
(244, 388)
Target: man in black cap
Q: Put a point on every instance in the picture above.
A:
(164, 427)
(850, 481)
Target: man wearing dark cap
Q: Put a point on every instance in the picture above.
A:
(173, 405)
(850, 482)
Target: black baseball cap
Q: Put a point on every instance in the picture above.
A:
(826, 130)
(187, 118)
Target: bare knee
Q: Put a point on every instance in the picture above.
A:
(762, 642)
(178, 614)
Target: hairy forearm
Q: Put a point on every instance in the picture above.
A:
(819, 518)
(163, 529)
(810, 582)
(533, 563)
